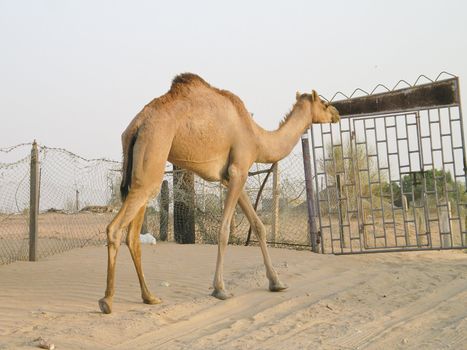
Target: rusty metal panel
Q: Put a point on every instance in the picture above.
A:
(435, 94)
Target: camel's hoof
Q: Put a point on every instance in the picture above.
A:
(277, 287)
(151, 300)
(221, 294)
(105, 305)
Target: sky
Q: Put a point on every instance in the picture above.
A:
(73, 74)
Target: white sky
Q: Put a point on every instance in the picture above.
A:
(74, 73)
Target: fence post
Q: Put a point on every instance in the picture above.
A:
(77, 201)
(309, 193)
(275, 202)
(34, 187)
(184, 206)
(164, 214)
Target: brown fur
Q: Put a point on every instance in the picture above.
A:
(183, 83)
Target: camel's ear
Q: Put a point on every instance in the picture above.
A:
(314, 96)
(297, 95)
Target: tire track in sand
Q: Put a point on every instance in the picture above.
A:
(372, 332)
(225, 314)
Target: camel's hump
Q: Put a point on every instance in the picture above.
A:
(183, 83)
(188, 78)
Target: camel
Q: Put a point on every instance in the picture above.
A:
(210, 132)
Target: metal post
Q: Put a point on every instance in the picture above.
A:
(258, 196)
(339, 206)
(164, 214)
(275, 202)
(458, 96)
(34, 203)
(309, 193)
(77, 201)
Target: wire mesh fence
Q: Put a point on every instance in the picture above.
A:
(75, 204)
(79, 197)
(284, 214)
(77, 200)
(14, 203)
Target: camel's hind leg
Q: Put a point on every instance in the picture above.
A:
(275, 284)
(149, 156)
(128, 211)
(134, 245)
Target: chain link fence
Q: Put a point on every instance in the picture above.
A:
(75, 204)
(14, 203)
(79, 197)
(284, 214)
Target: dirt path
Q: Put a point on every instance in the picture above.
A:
(381, 301)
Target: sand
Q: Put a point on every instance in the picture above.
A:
(379, 301)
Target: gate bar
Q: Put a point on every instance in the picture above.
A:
(34, 203)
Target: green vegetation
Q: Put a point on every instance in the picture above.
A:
(362, 179)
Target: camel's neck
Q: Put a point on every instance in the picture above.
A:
(276, 145)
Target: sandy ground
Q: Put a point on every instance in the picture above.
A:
(379, 301)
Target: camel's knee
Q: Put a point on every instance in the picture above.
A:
(110, 234)
(132, 240)
(144, 188)
(223, 237)
(113, 236)
(260, 230)
(129, 240)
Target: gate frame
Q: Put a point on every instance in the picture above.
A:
(435, 94)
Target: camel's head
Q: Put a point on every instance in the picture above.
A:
(321, 112)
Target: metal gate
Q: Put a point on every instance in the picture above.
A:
(392, 174)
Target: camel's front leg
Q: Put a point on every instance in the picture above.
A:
(237, 180)
(275, 284)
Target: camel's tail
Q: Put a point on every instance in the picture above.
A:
(128, 143)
